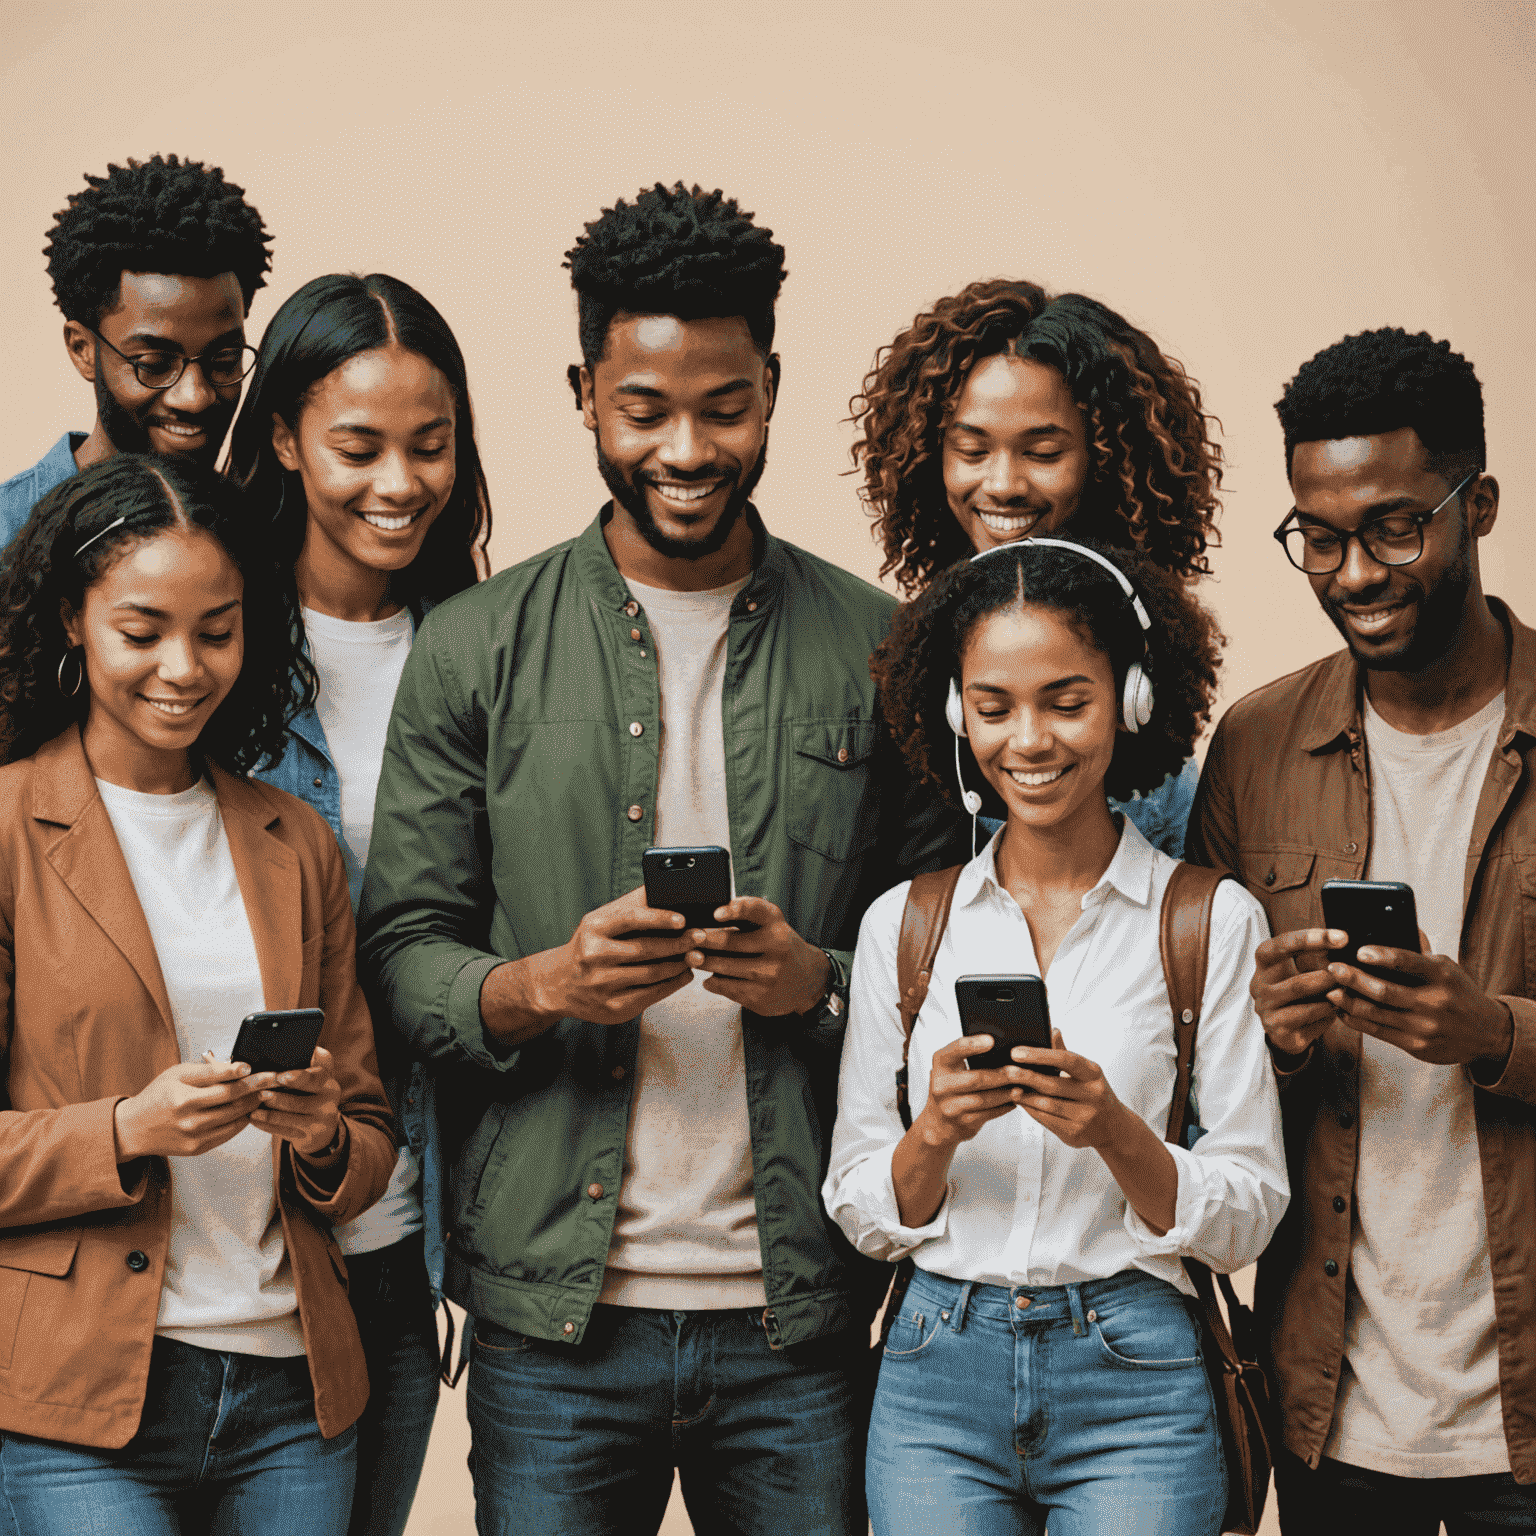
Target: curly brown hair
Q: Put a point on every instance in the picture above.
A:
(913, 665)
(1156, 468)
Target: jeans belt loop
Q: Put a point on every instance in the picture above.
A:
(1075, 1300)
(962, 1302)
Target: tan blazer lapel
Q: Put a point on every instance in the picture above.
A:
(271, 884)
(89, 860)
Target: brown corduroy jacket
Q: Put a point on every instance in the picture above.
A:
(86, 1022)
(1285, 803)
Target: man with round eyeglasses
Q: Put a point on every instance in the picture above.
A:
(1402, 1320)
(154, 266)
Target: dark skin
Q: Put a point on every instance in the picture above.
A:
(1454, 668)
(160, 313)
(681, 409)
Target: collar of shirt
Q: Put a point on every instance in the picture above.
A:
(1129, 872)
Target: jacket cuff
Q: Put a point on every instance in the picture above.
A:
(331, 1161)
(1518, 1079)
(1286, 1075)
(461, 1013)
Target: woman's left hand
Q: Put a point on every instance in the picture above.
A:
(308, 1114)
(1079, 1107)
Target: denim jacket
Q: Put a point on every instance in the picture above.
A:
(306, 770)
(23, 491)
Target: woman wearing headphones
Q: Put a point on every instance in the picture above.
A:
(1044, 1365)
(1003, 413)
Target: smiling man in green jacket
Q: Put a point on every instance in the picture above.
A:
(638, 1231)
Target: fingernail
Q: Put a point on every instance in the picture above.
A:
(266, 1093)
(242, 1069)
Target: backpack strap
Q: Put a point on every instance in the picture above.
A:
(923, 921)
(1184, 936)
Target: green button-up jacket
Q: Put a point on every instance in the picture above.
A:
(517, 795)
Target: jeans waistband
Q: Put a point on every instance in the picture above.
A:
(1033, 1305)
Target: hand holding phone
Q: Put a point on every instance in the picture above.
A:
(279, 1039)
(1011, 1009)
(1378, 913)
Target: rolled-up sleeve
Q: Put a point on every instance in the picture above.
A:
(1233, 1188)
(858, 1193)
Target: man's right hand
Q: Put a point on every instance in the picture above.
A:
(604, 973)
(1289, 984)
(188, 1109)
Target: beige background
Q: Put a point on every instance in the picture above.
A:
(1248, 181)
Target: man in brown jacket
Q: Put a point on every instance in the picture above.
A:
(1401, 1289)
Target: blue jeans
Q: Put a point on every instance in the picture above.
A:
(1341, 1500)
(227, 1446)
(393, 1306)
(581, 1440)
(1086, 1405)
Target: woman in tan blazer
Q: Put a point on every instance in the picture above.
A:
(177, 1353)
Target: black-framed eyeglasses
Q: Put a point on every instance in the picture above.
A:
(1316, 549)
(222, 367)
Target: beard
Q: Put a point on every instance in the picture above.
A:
(127, 427)
(1437, 618)
(630, 494)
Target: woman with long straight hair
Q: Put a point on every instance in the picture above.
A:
(356, 446)
(1004, 412)
(1044, 1368)
(180, 1353)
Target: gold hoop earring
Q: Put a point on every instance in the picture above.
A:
(69, 693)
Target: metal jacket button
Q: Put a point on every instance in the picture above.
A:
(1330, 1268)
(138, 1261)
(595, 1191)
(842, 754)
(634, 813)
(1021, 1302)
(318, 783)
(635, 728)
(631, 607)
(634, 634)
(1351, 847)
(752, 607)
(568, 1329)
(1269, 879)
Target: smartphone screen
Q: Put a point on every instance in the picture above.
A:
(1012, 1009)
(1380, 912)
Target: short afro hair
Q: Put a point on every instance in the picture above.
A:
(163, 214)
(674, 251)
(913, 665)
(1380, 381)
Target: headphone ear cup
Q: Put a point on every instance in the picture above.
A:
(972, 802)
(1136, 704)
(954, 710)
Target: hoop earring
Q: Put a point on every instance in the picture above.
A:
(69, 693)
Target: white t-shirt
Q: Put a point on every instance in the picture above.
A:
(228, 1284)
(1419, 1392)
(359, 666)
(686, 1233)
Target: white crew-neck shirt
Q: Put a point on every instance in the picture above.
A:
(228, 1283)
(1419, 1392)
(358, 663)
(685, 1237)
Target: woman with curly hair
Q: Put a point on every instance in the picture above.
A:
(1004, 412)
(1043, 1365)
(182, 1354)
(356, 447)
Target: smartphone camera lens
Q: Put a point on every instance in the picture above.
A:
(690, 866)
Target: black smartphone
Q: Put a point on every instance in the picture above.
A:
(1012, 1009)
(693, 881)
(1380, 912)
(278, 1040)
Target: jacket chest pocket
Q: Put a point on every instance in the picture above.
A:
(832, 809)
(1282, 880)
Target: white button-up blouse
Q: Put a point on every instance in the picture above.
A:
(1022, 1207)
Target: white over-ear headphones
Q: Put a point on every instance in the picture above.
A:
(1136, 700)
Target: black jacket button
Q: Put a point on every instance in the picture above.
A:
(1346, 1119)
(1330, 1268)
(1340, 1204)
(138, 1261)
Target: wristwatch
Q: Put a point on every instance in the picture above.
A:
(837, 983)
